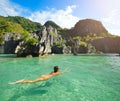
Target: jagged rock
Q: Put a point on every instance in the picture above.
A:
(61, 50)
(66, 50)
(11, 40)
(75, 45)
(23, 51)
(49, 41)
(91, 48)
(12, 36)
(47, 37)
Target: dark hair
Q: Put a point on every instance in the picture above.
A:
(56, 68)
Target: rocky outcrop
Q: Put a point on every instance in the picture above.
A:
(10, 44)
(89, 27)
(24, 51)
(2, 49)
(52, 24)
(83, 49)
(53, 39)
(49, 37)
(48, 40)
(107, 45)
(75, 46)
(83, 28)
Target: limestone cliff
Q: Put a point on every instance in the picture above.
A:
(47, 39)
(87, 36)
(89, 27)
(107, 45)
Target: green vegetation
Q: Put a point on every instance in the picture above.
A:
(51, 23)
(26, 35)
(85, 40)
(83, 44)
(25, 23)
(10, 27)
(65, 33)
(59, 43)
(17, 25)
(1, 40)
(31, 41)
(81, 35)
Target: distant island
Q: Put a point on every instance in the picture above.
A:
(25, 38)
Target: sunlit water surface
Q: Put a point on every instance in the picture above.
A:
(91, 78)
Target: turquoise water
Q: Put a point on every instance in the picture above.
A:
(91, 78)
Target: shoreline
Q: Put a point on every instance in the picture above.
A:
(46, 56)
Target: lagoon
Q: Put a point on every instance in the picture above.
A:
(91, 78)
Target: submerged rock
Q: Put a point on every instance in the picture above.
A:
(29, 56)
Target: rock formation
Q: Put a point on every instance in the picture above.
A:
(47, 38)
(107, 45)
(11, 40)
(87, 36)
(89, 27)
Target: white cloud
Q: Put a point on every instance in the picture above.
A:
(9, 8)
(113, 17)
(115, 31)
(63, 17)
(112, 21)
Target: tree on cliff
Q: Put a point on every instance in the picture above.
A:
(53, 24)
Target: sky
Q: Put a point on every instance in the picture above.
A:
(66, 13)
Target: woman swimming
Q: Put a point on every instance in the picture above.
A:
(41, 78)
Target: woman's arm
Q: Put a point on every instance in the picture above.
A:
(66, 70)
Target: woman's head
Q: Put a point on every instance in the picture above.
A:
(56, 68)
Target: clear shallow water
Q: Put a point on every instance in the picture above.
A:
(92, 78)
